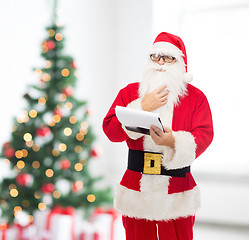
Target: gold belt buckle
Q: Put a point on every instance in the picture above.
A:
(152, 163)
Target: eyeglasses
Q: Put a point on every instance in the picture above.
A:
(166, 59)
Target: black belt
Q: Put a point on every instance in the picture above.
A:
(150, 163)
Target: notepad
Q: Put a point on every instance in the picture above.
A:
(138, 120)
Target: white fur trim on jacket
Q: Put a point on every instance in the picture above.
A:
(184, 154)
(157, 206)
(136, 104)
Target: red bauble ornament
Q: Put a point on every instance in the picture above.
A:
(95, 152)
(24, 179)
(68, 91)
(9, 152)
(43, 131)
(47, 188)
(73, 65)
(58, 112)
(89, 111)
(6, 145)
(65, 164)
(50, 45)
(77, 186)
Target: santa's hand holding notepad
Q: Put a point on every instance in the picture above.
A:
(138, 120)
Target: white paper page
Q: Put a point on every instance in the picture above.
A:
(137, 118)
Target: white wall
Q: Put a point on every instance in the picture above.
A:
(214, 32)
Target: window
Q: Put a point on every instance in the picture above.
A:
(216, 36)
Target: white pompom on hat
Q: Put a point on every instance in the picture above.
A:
(173, 45)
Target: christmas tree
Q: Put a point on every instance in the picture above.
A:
(51, 143)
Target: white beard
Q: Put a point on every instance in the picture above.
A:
(173, 77)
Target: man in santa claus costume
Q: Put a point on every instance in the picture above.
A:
(157, 195)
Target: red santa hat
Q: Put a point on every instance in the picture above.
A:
(169, 44)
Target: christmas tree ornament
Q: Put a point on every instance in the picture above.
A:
(6, 145)
(24, 179)
(9, 152)
(73, 65)
(77, 186)
(68, 91)
(43, 131)
(95, 152)
(47, 188)
(65, 164)
(89, 111)
(63, 186)
(58, 113)
(47, 199)
(50, 45)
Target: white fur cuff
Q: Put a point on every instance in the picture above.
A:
(131, 134)
(185, 147)
(136, 104)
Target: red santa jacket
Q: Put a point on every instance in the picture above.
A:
(160, 197)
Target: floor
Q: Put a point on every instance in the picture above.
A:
(214, 232)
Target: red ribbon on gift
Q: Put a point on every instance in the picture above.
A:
(3, 228)
(64, 211)
(114, 215)
(20, 228)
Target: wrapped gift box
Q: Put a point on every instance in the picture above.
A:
(103, 225)
(56, 224)
(17, 232)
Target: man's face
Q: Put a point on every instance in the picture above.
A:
(162, 69)
(161, 60)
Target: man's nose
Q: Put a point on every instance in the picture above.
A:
(161, 62)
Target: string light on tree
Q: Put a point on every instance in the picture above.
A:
(33, 113)
(49, 173)
(73, 120)
(27, 137)
(36, 164)
(51, 32)
(69, 105)
(62, 147)
(19, 154)
(13, 193)
(20, 164)
(91, 198)
(42, 101)
(78, 167)
(58, 37)
(42, 206)
(65, 72)
(56, 194)
(48, 64)
(68, 131)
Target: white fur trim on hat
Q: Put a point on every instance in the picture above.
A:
(184, 155)
(157, 206)
(167, 49)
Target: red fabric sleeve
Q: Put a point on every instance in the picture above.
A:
(202, 124)
(111, 125)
